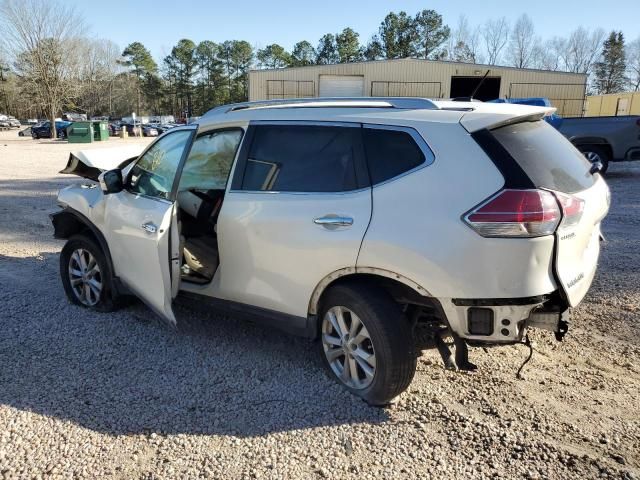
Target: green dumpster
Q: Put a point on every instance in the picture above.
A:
(100, 131)
(80, 132)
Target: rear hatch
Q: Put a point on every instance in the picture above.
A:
(552, 163)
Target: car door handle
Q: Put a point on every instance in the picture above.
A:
(149, 227)
(332, 221)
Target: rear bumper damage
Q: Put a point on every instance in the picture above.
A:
(505, 321)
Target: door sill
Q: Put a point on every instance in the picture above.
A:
(295, 325)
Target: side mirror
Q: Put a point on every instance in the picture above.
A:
(111, 181)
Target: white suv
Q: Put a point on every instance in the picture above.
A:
(375, 225)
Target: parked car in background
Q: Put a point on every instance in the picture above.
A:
(604, 139)
(374, 225)
(4, 124)
(43, 130)
(14, 122)
(147, 130)
(25, 132)
(150, 131)
(114, 129)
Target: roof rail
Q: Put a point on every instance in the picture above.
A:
(340, 102)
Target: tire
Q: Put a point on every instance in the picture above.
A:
(35, 136)
(98, 293)
(389, 341)
(596, 153)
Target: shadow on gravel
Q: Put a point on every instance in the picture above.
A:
(122, 373)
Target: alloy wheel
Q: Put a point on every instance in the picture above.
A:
(348, 348)
(85, 277)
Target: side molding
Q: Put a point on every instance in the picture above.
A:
(343, 272)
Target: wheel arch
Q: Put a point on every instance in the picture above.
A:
(69, 222)
(393, 282)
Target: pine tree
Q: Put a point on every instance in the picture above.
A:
(610, 70)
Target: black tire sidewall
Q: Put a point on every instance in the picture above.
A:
(107, 301)
(390, 334)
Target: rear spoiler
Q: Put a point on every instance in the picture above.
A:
(494, 115)
(91, 163)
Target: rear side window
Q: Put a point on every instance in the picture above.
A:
(547, 157)
(303, 158)
(390, 153)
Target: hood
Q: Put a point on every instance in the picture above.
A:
(91, 163)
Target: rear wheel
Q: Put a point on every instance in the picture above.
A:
(86, 275)
(596, 153)
(366, 343)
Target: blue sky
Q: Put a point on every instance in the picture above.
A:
(159, 24)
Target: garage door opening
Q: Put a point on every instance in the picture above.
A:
(341, 85)
(465, 86)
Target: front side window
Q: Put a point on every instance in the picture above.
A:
(210, 161)
(303, 158)
(154, 172)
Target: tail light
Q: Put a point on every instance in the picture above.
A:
(572, 208)
(525, 213)
(516, 213)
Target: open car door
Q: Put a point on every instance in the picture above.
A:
(141, 224)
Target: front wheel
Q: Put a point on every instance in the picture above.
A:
(596, 153)
(86, 275)
(366, 343)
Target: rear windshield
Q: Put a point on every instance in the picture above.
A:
(549, 159)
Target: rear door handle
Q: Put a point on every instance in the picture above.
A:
(149, 227)
(333, 221)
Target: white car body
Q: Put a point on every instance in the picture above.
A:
(411, 229)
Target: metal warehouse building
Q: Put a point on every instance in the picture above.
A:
(420, 78)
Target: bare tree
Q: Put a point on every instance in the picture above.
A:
(522, 42)
(42, 39)
(633, 64)
(495, 34)
(581, 49)
(463, 44)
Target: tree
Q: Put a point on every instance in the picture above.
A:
(42, 39)
(430, 33)
(303, 54)
(237, 57)
(495, 34)
(273, 56)
(182, 63)
(374, 49)
(211, 75)
(633, 64)
(522, 42)
(397, 33)
(348, 46)
(139, 59)
(327, 51)
(580, 50)
(611, 69)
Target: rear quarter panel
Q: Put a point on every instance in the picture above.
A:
(417, 230)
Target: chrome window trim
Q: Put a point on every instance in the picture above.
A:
(307, 123)
(278, 192)
(427, 151)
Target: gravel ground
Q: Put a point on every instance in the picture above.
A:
(86, 395)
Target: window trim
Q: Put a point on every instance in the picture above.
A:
(425, 148)
(243, 135)
(172, 193)
(362, 172)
